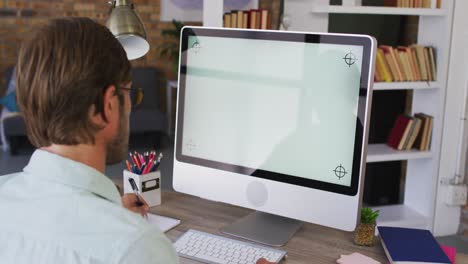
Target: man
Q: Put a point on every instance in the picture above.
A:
(73, 81)
(73, 85)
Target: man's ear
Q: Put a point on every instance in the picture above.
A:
(109, 102)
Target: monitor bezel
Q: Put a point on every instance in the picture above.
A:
(303, 37)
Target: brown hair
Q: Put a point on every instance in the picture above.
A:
(63, 69)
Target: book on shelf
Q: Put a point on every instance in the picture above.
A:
(411, 246)
(227, 20)
(428, 65)
(406, 133)
(258, 18)
(423, 140)
(252, 19)
(410, 3)
(405, 63)
(419, 54)
(426, 3)
(414, 62)
(265, 19)
(397, 64)
(398, 131)
(415, 128)
(245, 19)
(382, 67)
(411, 132)
(234, 18)
(392, 61)
(432, 62)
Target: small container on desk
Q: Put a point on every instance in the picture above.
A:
(149, 186)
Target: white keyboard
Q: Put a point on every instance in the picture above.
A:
(214, 249)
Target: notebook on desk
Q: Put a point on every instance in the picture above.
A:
(411, 246)
(164, 223)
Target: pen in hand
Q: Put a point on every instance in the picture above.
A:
(139, 202)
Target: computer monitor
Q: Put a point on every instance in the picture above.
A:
(276, 122)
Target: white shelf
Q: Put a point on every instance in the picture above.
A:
(401, 216)
(382, 152)
(377, 10)
(382, 86)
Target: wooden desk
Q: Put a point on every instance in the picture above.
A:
(311, 244)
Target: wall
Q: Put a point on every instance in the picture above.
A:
(17, 18)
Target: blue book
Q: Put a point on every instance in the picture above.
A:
(409, 246)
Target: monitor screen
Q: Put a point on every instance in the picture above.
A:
(280, 107)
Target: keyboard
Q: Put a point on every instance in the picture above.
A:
(213, 249)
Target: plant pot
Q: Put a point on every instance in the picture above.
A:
(365, 235)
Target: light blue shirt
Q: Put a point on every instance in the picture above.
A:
(61, 211)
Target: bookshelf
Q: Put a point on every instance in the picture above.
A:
(419, 206)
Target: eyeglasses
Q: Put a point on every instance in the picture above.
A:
(136, 96)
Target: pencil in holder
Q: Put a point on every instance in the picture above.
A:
(149, 186)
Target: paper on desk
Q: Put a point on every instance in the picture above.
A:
(356, 258)
(162, 222)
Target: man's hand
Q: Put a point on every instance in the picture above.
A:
(131, 202)
(264, 261)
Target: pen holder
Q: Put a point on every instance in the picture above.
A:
(149, 186)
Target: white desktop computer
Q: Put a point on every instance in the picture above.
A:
(276, 122)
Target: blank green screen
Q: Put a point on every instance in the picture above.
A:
(286, 107)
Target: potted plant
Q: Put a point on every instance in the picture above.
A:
(170, 47)
(365, 232)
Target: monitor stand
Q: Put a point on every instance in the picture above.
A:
(264, 228)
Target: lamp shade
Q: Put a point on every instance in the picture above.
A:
(127, 27)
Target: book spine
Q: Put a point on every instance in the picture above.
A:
(405, 135)
(383, 64)
(414, 62)
(421, 63)
(240, 19)
(265, 19)
(227, 20)
(245, 20)
(433, 63)
(428, 64)
(234, 18)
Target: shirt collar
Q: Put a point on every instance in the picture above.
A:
(58, 169)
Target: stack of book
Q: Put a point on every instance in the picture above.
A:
(413, 63)
(253, 19)
(411, 3)
(409, 132)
